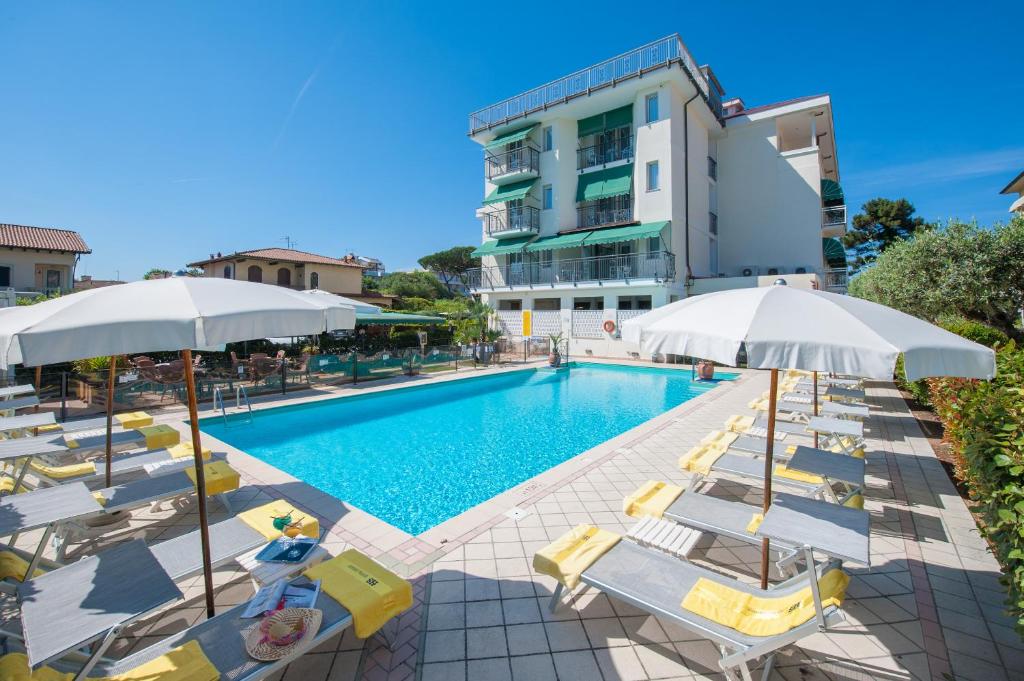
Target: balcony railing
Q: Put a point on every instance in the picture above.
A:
(604, 152)
(524, 160)
(833, 216)
(836, 280)
(712, 168)
(607, 212)
(659, 265)
(659, 54)
(522, 219)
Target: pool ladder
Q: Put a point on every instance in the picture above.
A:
(240, 395)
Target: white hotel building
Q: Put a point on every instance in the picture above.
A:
(631, 184)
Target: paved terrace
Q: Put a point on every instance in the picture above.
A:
(929, 607)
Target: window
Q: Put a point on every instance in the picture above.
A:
(652, 176)
(712, 223)
(653, 247)
(549, 139)
(5, 275)
(651, 107)
(314, 280)
(549, 199)
(284, 277)
(227, 271)
(545, 259)
(255, 274)
(713, 254)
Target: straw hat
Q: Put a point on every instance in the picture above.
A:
(279, 634)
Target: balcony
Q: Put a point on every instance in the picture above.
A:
(833, 221)
(605, 152)
(512, 166)
(836, 280)
(606, 212)
(656, 266)
(633, 64)
(521, 220)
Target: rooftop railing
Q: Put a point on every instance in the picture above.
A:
(659, 54)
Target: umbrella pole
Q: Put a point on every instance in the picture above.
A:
(769, 464)
(39, 382)
(197, 454)
(110, 413)
(815, 409)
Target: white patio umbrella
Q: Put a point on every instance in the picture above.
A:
(360, 307)
(789, 328)
(180, 313)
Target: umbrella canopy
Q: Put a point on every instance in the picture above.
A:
(162, 314)
(361, 308)
(790, 328)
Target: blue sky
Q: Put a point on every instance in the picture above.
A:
(166, 131)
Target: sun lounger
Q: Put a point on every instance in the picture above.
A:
(745, 622)
(10, 406)
(48, 475)
(214, 648)
(803, 411)
(754, 425)
(14, 426)
(12, 391)
(220, 479)
(150, 437)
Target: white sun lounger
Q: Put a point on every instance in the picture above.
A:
(119, 466)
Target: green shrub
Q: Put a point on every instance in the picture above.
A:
(975, 331)
(984, 423)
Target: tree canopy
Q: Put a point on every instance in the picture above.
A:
(450, 264)
(882, 223)
(157, 273)
(961, 269)
(413, 285)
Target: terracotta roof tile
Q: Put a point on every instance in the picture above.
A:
(286, 254)
(775, 105)
(44, 238)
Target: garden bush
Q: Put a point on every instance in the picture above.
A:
(984, 423)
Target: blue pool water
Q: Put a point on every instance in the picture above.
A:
(418, 456)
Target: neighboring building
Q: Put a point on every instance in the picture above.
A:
(629, 185)
(86, 282)
(39, 260)
(295, 269)
(1016, 187)
(372, 267)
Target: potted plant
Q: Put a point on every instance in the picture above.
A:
(554, 356)
(705, 370)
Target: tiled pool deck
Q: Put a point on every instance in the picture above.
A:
(928, 608)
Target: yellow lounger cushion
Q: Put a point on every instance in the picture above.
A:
(651, 499)
(13, 566)
(49, 428)
(739, 424)
(856, 501)
(7, 485)
(219, 478)
(720, 438)
(184, 449)
(372, 593)
(755, 522)
(262, 517)
(134, 419)
(71, 470)
(159, 436)
(701, 458)
(567, 557)
(186, 663)
(762, 615)
(797, 476)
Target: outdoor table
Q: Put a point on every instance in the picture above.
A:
(838, 467)
(825, 425)
(92, 600)
(263, 573)
(16, 390)
(813, 524)
(846, 410)
(44, 508)
(26, 421)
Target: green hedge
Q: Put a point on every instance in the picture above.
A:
(984, 423)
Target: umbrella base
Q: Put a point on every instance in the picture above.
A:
(108, 519)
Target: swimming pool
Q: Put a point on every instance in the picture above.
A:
(418, 456)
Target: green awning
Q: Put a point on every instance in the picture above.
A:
(550, 243)
(396, 318)
(511, 136)
(510, 192)
(831, 192)
(609, 120)
(835, 253)
(627, 233)
(501, 247)
(602, 184)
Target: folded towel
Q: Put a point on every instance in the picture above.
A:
(161, 435)
(262, 517)
(185, 663)
(13, 566)
(701, 458)
(651, 499)
(218, 476)
(763, 615)
(567, 557)
(134, 419)
(368, 590)
(184, 450)
(797, 476)
(72, 470)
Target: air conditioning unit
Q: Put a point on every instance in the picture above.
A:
(748, 270)
(775, 271)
